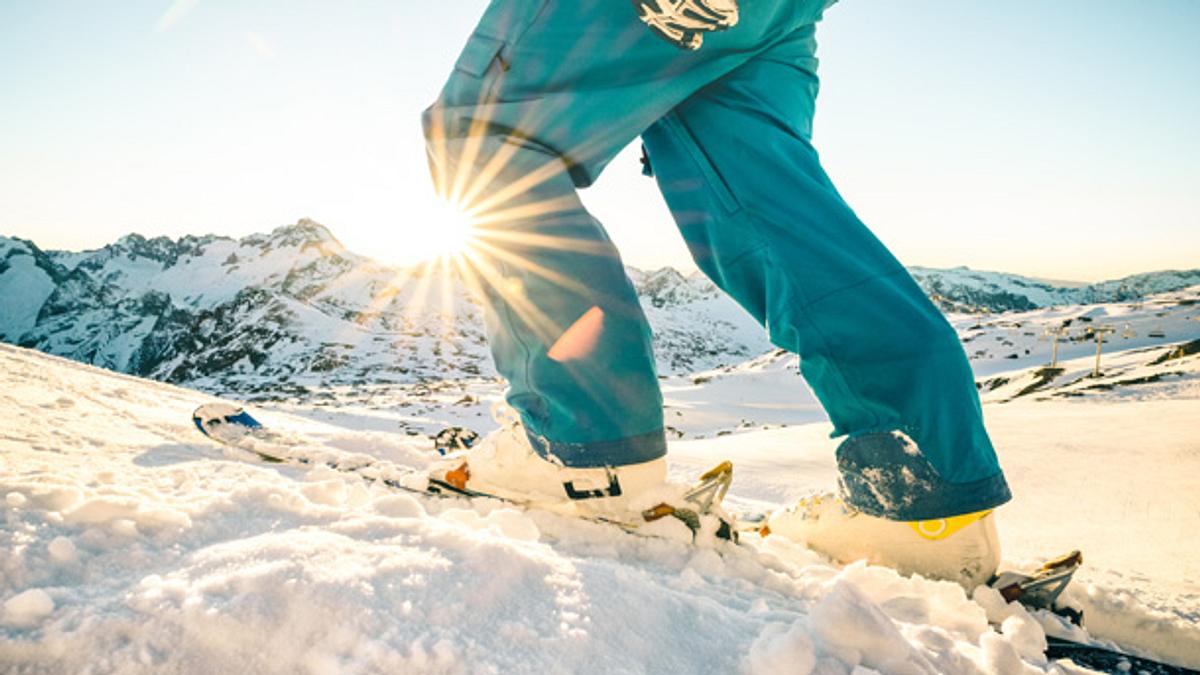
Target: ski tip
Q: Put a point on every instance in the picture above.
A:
(210, 415)
(725, 467)
(1067, 560)
(454, 439)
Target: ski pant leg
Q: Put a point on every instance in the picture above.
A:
(544, 94)
(768, 226)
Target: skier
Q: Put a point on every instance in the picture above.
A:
(542, 97)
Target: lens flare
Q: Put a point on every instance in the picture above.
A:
(447, 234)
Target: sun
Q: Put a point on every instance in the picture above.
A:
(446, 233)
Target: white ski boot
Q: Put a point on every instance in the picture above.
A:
(963, 548)
(504, 464)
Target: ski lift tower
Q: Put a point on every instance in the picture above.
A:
(1099, 332)
(1055, 334)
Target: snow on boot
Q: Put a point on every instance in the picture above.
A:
(504, 464)
(963, 548)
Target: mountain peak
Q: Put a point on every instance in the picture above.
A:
(313, 227)
(134, 245)
(305, 233)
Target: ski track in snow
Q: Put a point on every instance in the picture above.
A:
(132, 544)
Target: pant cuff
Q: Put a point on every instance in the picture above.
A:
(886, 475)
(595, 454)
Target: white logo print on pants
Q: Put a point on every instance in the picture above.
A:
(684, 22)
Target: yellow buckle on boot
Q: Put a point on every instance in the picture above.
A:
(940, 528)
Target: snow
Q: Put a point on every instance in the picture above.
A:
(26, 288)
(128, 543)
(1038, 293)
(291, 313)
(28, 607)
(999, 343)
(1018, 292)
(62, 550)
(782, 650)
(131, 544)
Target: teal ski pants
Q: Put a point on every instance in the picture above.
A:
(542, 97)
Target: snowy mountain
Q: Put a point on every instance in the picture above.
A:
(965, 290)
(293, 313)
(223, 312)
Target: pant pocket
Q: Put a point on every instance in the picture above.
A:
(683, 137)
(479, 54)
(503, 24)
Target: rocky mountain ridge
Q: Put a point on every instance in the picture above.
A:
(961, 289)
(292, 310)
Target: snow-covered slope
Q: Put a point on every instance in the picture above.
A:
(1014, 340)
(130, 544)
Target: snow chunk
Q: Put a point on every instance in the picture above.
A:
(399, 506)
(1026, 635)
(330, 492)
(56, 497)
(15, 499)
(857, 631)
(28, 608)
(1000, 656)
(507, 522)
(780, 650)
(915, 600)
(103, 510)
(125, 527)
(125, 514)
(62, 551)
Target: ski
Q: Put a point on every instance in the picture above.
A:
(1108, 660)
(1039, 589)
(233, 427)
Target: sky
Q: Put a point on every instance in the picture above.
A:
(1055, 139)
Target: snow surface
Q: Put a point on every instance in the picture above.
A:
(131, 544)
